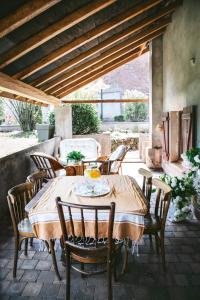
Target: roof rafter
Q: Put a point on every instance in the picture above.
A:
(105, 57)
(85, 38)
(108, 42)
(23, 14)
(19, 88)
(13, 97)
(96, 74)
(106, 101)
(51, 31)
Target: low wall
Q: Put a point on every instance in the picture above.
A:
(130, 142)
(133, 126)
(15, 168)
(9, 128)
(102, 138)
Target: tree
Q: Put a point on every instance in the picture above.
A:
(84, 119)
(137, 111)
(26, 114)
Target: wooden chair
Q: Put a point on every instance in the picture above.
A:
(155, 223)
(18, 198)
(48, 163)
(147, 184)
(37, 179)
(110, 165)
(87, 250)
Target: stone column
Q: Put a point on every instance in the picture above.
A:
(153, 153)
(63, 122)
(156, 88)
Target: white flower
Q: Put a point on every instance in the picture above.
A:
(195, 169)
(186, 209)
(196, 158)
(177, 213)
(173, 182)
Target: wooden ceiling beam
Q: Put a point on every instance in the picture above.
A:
(51, 31)
(100, 47)
(86, 38)
(19, 88)
(97, 74)
(106, 56)
(23, 14)
(13, 97)
(105, 101)
(62, 86)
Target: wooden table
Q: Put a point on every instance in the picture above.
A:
(130, 202)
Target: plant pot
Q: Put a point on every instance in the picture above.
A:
(73, 162)
(195, 207)
(45, 132)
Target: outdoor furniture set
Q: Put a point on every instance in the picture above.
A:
(92, 225)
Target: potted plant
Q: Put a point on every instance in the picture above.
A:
(46, 131)
(75, 157)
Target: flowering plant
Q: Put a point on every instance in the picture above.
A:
(182, 190)
(191, 159)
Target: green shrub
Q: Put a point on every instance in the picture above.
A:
(84, 119)
(52, 118)
(136, 112)
(119, 118)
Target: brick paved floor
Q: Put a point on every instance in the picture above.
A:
(144, 280)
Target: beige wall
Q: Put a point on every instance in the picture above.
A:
(181, 42)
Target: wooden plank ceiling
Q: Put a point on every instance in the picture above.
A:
(50, 48)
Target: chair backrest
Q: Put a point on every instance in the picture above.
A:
(18, 197)
(74, 243)
(147, 184)
(116, 158)
(89, 147)
(163, 198)
(37, 179)
(45, 162)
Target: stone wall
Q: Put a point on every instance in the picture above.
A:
(15, 168)
(131, 142)
(181, 75)
(132, 126)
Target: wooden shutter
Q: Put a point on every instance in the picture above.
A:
(187, 128)
(165, 139)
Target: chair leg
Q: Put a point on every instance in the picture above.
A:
(162, 249)
(26, 247)
(51, 245)
(157, 242)
(31, 242)
(82, 269)
(109, 275)
(115, 271)
(68, 275)
(16, 256)
(151, 242)
(125, 262)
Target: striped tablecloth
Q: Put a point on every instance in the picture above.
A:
(130, 209)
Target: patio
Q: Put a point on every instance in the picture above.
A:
(49, 50)
(144, 279)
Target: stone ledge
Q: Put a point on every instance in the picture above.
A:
(173, 168)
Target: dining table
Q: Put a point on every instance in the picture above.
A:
(130, 207)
